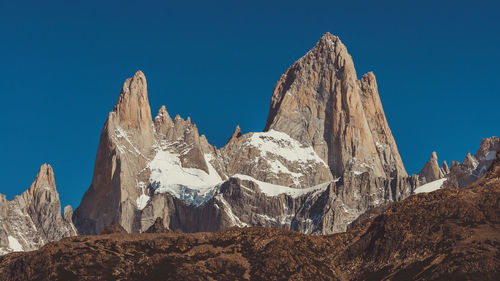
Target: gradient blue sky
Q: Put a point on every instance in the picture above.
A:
(63, 64)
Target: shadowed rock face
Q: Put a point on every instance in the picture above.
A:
(158, 227)
(449, 234)
(34, 218)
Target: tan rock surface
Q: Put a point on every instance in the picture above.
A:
(320, 102)
(33, 218)
(324, 125)
(431, 170)
(125, 148)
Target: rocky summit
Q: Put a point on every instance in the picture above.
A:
(33, 218)
(325, 157)
(320, 102)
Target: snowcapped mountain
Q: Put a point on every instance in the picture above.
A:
(326, 155)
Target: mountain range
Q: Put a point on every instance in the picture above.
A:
(325, 159)
(448, 234)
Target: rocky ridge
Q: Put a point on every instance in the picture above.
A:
(33, 218)
(460, 174)
(473, 166)
(325, 157)
(450, 234)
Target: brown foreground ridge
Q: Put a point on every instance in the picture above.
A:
(449, 234)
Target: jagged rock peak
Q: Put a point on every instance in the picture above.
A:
(487, 148)
(236, 134)
(129, 133)
(132, 107)
(445, 168)
(320, 102)
(469, 161)
(369, 80)
(328, 40)
(331, 49)
(162, 112)
(163, 121)
(434, 157)
(33, 218)
(68, 213)
(44, 179)
(431, 170)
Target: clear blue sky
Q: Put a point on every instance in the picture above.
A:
(63, 64)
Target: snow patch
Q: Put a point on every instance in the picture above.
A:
(267, 218)
(189, 184)
(14, 244)
(430, 187)
(143, 199)
(274, 189)
(283, 145)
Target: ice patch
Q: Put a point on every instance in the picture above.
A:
(430, 187)
(274, 189)
(189, 184)
(14, 244)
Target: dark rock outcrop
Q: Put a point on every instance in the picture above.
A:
(158, 227)
(113, 228)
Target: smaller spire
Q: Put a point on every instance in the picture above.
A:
(44, 179)
(236, 134)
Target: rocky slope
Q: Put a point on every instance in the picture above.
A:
(33, 218)
(450, 234)
(326, 156)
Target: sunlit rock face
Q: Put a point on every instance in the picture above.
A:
(320, 102)
(326, 155)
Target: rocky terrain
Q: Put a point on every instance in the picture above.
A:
(325, 157)
(433, 177)
(32, 219)
(449, 234)
(326, 162)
